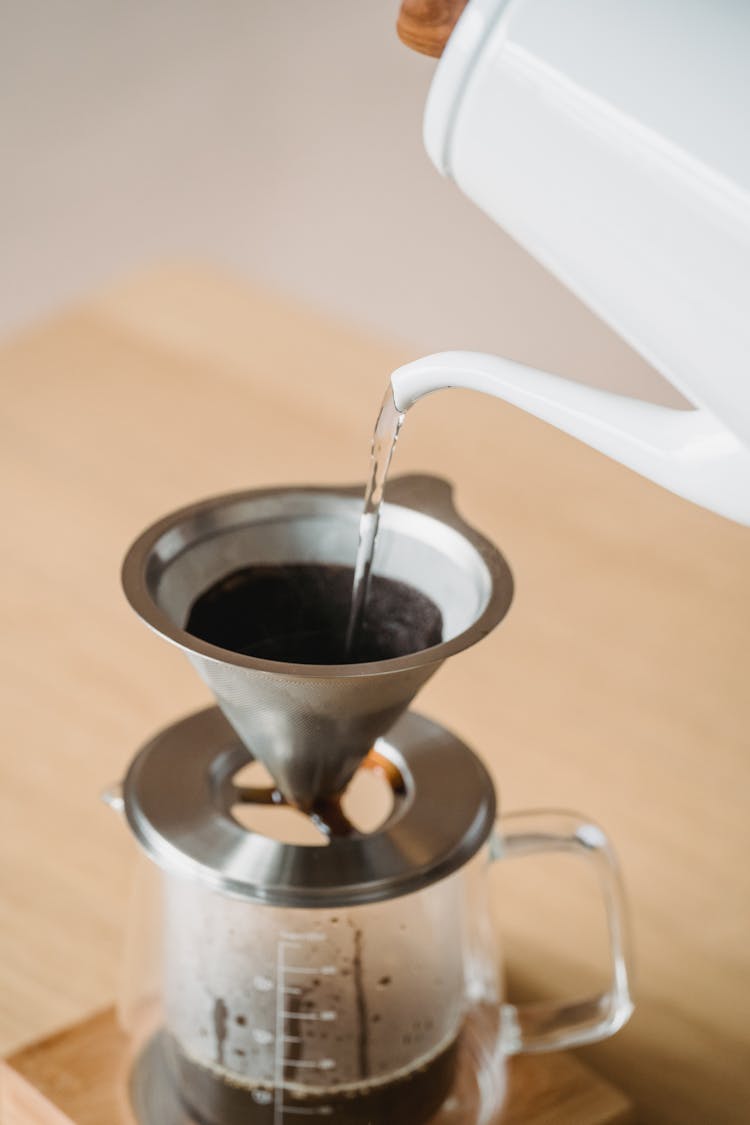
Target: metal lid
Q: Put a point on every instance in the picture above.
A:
(179, 792)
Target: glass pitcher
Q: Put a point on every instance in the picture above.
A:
(356, 980)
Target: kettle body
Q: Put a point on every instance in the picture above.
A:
(610, 139)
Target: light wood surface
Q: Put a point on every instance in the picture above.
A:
(617, 685)
(75, 1077)
(79, 1077)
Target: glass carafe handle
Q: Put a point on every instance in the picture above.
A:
(555, 1026)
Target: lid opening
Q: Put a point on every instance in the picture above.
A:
(363, 808)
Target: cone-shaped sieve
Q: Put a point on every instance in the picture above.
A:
(311, 724)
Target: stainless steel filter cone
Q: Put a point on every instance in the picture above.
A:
(311, 724)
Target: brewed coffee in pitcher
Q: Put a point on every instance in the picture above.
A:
(344, 1012)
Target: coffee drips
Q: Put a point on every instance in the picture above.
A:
(327, 813)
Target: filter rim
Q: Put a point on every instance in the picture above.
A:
(424, 494)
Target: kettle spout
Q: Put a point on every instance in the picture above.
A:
(688, 452)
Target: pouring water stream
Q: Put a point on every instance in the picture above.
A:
(384, 440)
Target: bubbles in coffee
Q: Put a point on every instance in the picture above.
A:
(298, 613)
(410, 1098)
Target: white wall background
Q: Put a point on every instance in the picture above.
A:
(280, 137)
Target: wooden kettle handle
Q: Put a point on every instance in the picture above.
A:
(425, 25)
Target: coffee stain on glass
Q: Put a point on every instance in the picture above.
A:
(221, 1012)
(363, 1052)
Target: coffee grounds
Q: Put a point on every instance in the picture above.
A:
(298, 614)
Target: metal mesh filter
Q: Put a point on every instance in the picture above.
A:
(311, 725)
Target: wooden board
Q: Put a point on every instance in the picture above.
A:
(79, 1077)
(617, 685)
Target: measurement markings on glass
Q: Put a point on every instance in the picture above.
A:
(316, 1064)
(312, 1111)
(324, 970)
(295, 939)
(290, 941)
(278, 1100)
(324, 1016)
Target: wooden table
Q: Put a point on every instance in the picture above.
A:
(618, 684)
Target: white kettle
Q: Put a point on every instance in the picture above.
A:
(611, 139)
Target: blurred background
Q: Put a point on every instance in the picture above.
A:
(281, 139)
